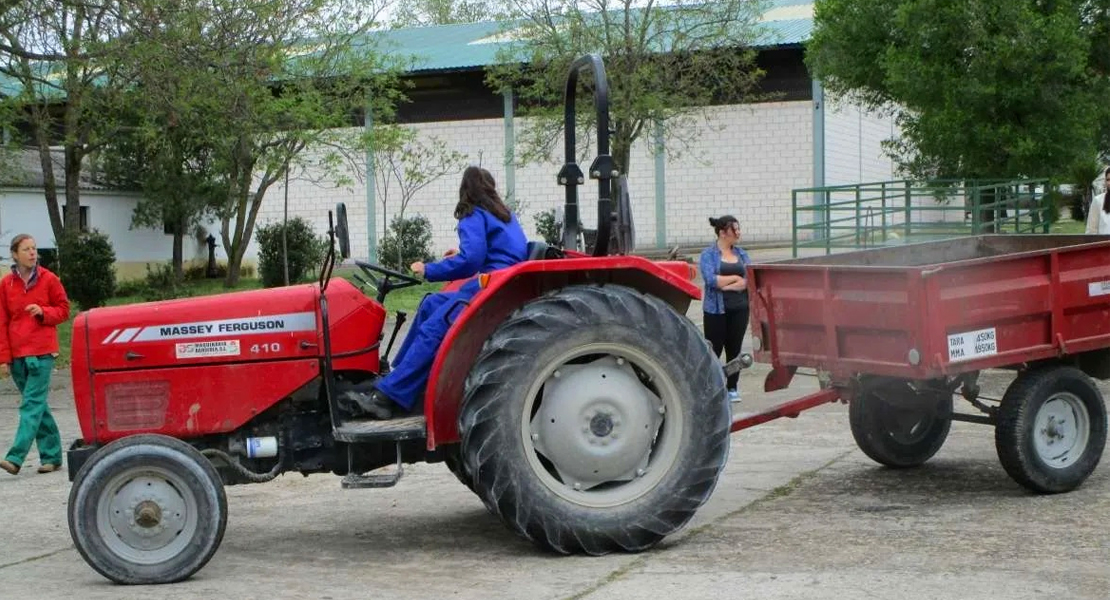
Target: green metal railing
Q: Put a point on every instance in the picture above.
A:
(898, 212)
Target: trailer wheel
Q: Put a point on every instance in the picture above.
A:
(1051, 429)
(899, 427)
(595, 421)
(147, 509)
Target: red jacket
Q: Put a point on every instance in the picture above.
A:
(22, 334)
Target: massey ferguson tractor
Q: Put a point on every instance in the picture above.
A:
(571, 395)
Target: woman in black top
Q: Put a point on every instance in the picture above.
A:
(723, 266)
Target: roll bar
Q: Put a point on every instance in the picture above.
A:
(603, 168)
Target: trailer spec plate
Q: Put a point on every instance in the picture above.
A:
(208, 349)
(302, 321)
(972, 344)
(1098, 288)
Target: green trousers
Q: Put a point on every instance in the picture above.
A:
(36, 424)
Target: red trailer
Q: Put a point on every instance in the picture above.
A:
(897, 332)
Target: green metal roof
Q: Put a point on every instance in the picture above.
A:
(474, 45)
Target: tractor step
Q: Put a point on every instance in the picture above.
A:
(364, 481)
(361, 481)
(370, 430)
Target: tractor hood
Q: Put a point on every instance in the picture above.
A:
(235, 327)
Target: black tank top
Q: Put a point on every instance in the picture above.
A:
(734, 300)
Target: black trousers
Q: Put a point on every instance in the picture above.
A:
(726, 331)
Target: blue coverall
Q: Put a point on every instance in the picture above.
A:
(485, 244)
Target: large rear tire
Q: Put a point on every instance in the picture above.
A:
(595, 420)
(147, 509)
(899, 427)
(1051, 429)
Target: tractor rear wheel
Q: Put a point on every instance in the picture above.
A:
(595, 420)
(147, 509)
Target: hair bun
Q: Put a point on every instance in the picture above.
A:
(714, 222)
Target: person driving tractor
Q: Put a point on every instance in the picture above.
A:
(490, 238)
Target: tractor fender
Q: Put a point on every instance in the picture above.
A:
(504, 291)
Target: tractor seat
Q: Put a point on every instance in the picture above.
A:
(541, 251)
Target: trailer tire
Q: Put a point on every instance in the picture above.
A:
(147, 509)
(633, 403)
(1051, 429)
(898, 427)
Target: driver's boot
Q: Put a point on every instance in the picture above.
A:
(375, 404)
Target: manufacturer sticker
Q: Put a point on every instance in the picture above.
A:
(302, 321)
(1098, 288)
(208, 349)
(972, 344)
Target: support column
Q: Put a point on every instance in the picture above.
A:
(660, 187)
(371, 192)
(510, 149)
(818, 149)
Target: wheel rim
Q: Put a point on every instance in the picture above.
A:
(601, 425)
(1061, 430)
(147, 515)
(907, 425)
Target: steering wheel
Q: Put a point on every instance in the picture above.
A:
(372, 268)
(391, 280)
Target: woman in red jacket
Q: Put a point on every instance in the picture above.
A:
(32, 304)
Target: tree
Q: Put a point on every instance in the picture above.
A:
(420, 13)
(980, 89)
(63, 59)
(404, 160)
(665, 64)
(276, 85)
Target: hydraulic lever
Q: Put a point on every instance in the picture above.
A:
(401, 317)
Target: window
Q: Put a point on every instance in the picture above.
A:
(83, 219)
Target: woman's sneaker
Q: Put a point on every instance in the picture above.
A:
(734, 395)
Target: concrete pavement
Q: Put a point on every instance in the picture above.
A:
(798, 513)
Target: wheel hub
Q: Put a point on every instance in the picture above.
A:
(146, 514)
(596, 423)
(1061, 430)
(601, 424)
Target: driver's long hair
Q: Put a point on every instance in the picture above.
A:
(478, 189)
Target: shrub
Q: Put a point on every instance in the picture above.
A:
(86, 264)
(199, 271)
(161, 284)
(306, 251)
(548, 229)
(130, 287)
(48, 257)
(409, 240)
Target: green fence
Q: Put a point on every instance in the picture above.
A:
(899, 212)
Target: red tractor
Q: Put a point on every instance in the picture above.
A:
(571, 394)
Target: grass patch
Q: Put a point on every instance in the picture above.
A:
(1068, 227)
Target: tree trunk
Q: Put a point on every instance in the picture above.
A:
(73, 188)
(179, 251)
(49, 184)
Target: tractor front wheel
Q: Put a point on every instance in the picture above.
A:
(147, 509)
(595, 420)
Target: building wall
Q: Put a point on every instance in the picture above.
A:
(853, 144)
(24, 211)
(745, 163)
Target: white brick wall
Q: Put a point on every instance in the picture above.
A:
(853, 144)
(745, 163)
